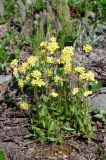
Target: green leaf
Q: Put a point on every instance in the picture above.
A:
(38, 132)
(51, 126)
(99, 116)
(3, 56)
(11, 57)
(43, 111)
(2, 155)
(52, 139)
(102, 112)
(69, 129)
(95, 111)
(43, 123)
(94, 86)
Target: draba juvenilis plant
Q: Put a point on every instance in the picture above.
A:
(58, 105)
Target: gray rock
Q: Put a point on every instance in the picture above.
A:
(91, 15)
(5, 78)
(101, 28)
(15, 131)
(4, 81)
(99, 100)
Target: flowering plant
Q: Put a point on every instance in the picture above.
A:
(60, 90)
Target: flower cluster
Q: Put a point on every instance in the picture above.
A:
(52, 45)
(67, 68)
(80, 70)
(48, 72)
(30, 72)
(14, 63)
(87, 93)
(32, 60)
(83, 75)
(26, 73)
(57, 79)
(24, 105)
(50, 59)
(67, 54)
(75, 91)
(88, 76)
(87, 48)
(43, 45)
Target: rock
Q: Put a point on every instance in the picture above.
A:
(91, 15)
(15, 131)
(98, 101)
(101, 28)
(4, 81)
(5, 78)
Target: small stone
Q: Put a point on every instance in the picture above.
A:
(91, 15)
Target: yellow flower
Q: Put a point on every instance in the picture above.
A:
(65, 58)
(75, 91)
(42, 53)
(15, 72)
(66, 55)
(50, 60)
(53, 39)
(82, 76)
(38, 82)
(52, 45)
(27, 78)
(89, 76)
(32, 60)
(54, 94)
(68, 50)
(57, 79)
(43, 45)
(48, 72)
(21, 84)
(87, 48)
(24, 105)
(36, 74)
(23, 68)
(14, 63)
(33, 82)
(80, 70)
(67, 68)
(87, 93)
